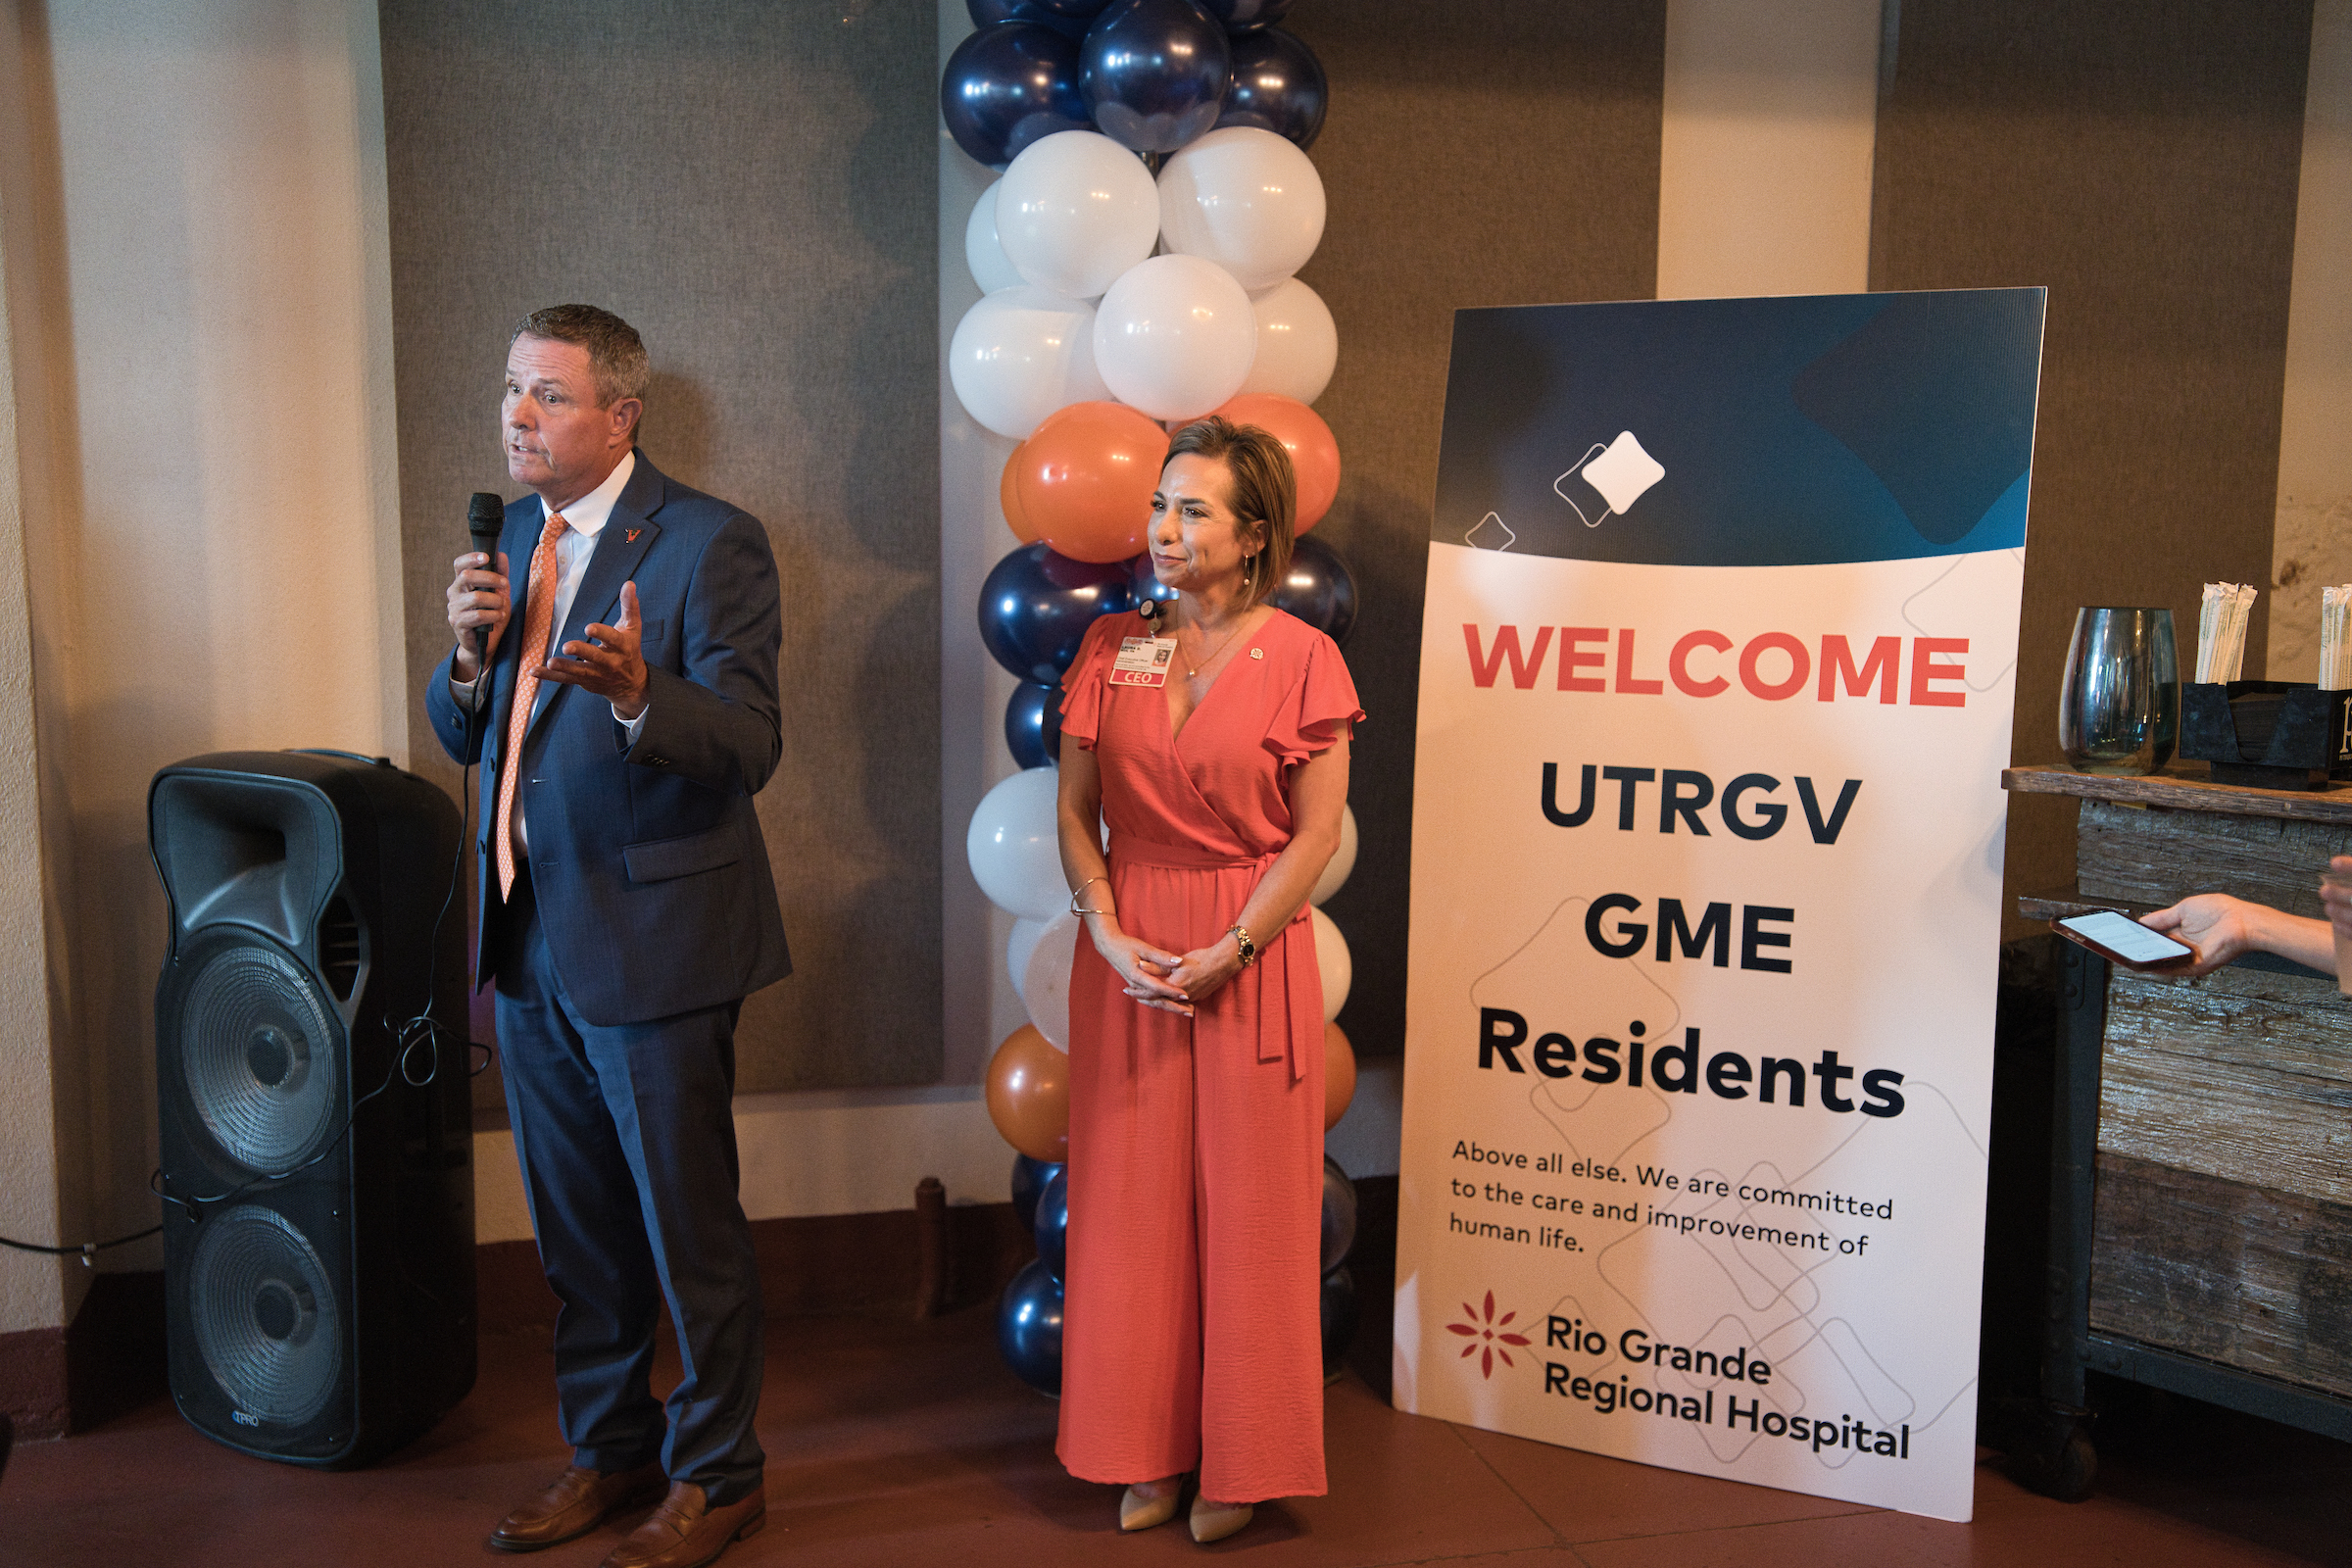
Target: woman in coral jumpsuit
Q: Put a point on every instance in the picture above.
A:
(1213, 739)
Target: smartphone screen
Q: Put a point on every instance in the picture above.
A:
(2127, 938)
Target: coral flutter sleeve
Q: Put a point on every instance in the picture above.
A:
(1082, 683)
(1314, 711)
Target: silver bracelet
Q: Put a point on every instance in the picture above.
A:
(1076, 908)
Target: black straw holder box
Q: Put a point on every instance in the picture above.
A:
(2270, 734)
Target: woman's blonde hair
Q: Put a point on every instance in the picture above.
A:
(1264, 490)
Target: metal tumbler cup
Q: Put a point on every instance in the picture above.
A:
(2119, 710)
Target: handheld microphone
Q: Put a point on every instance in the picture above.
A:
(485, 516)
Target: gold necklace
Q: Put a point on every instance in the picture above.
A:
(1193, 667)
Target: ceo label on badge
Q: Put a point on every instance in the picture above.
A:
(1143, 662)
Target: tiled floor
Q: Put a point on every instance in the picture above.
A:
(895, 1443)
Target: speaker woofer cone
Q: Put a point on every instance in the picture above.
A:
(261, 1052)
(264, 1316)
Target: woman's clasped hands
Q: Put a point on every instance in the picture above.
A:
(1172, 982)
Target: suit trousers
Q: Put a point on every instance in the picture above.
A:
(627, 1139)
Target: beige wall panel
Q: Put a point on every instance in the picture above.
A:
(205, 551)
(2314, 543)
(1764, 173)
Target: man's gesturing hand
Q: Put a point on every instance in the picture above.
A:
(610, 665)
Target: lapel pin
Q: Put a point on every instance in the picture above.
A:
(630, 537)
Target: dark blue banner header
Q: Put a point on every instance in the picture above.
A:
(1843, 427)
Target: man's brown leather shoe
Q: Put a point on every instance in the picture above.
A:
(686, 1532)
(575, 1503)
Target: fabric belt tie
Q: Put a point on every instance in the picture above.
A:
(1287, 989)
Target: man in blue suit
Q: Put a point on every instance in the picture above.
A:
(626, 909)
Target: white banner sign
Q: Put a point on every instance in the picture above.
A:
(1706, 882)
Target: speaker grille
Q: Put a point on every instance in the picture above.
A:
(264, 1316)
(261, 1055)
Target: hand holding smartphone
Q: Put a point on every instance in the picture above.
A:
(2120, 939)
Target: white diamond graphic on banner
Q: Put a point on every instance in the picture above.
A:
(1622, 471)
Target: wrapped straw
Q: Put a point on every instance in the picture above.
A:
(2336, 646)
(2221, 630)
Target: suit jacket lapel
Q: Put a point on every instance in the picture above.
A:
(628, 533)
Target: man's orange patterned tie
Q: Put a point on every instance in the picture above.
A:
(538, 627)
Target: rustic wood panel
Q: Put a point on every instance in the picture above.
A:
(2237, 1273)
(2155, 856)
(2245, 1075)
(2183, 785)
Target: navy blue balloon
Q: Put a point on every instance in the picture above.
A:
(1053, 1225)
(1338, 1214)
(1035, 605)
(1008, 85)
(1246, 15)
(1155, 72)
(1319, 589)
(1029, 1328)
(1029, 1178)
(1033, 725)
(1277, 86)
(1069, 18)
(1144, 585)
(1339, 1310)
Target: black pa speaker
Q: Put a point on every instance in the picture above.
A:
(316, 1145)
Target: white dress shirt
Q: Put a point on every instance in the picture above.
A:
(587, 517)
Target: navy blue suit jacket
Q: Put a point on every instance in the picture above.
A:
(652, 878)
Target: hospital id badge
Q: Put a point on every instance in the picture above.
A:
(1143, 662)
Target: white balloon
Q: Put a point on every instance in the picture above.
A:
(1018, 948)
(1046, 988)
(1246, 199)
(991, 268)
(1175, 336)
(1297, 343)
(1074, 210)
(1015, 849)
(1330, 957)
(1021, 353)
(1342, 860)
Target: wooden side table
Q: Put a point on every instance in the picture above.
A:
(2201, 1198)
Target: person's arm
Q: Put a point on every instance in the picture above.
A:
(1078, 811)
(2223, 928)
(1318, 798)
(718, 722)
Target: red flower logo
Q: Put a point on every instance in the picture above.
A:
(1486, 1337)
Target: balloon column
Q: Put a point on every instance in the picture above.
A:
(1138, 265)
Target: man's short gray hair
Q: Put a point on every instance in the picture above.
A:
(615, 352)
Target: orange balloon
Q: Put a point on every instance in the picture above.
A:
(1314, 454)
(1029, 1094)
(1009, 496)
(1338, 1075)
(1086, 479)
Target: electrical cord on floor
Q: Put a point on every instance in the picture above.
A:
(87, 1251)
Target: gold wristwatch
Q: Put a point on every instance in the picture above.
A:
(1241, 934)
